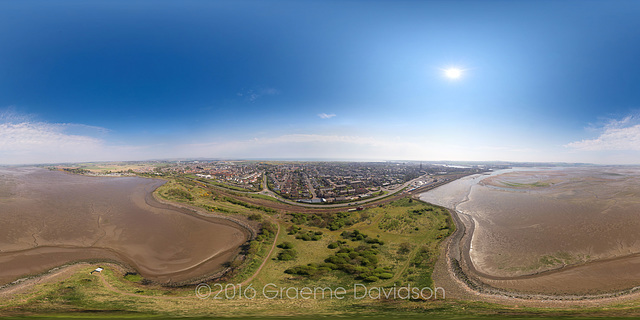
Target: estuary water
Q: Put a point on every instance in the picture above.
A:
(569, 229)
(50, 218)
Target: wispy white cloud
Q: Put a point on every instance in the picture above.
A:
(309, 138)
(623, 135)
(27, 136)
(10, 115)
(305, 146)
(252, 95)
(25, 141)
(28, 142)
(326, 116)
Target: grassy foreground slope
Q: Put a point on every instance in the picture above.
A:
(387, 246)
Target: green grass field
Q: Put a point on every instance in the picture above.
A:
(399, 244)
(110, 295)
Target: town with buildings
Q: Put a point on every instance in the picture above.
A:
(317, 182)
(306, 182)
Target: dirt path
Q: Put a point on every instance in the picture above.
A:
(273, 247)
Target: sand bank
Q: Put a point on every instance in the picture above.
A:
(559, 232)
(51, 218)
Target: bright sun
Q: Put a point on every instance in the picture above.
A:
(453, 73)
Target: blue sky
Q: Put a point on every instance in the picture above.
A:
(135, 80)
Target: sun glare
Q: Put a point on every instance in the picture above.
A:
(453, 73)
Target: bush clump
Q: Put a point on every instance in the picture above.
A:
(305, 235)
(422, 257)
(404, 248)
(309, 270)
(180, 194)
(286, 245)
(361, 262)
(331, 221)
(356, 235)
(287, 255)
(267, 230)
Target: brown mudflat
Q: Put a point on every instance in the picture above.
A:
(551, 231)
(51, 218)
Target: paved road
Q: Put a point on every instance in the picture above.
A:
(266, 191)
(312, 190)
